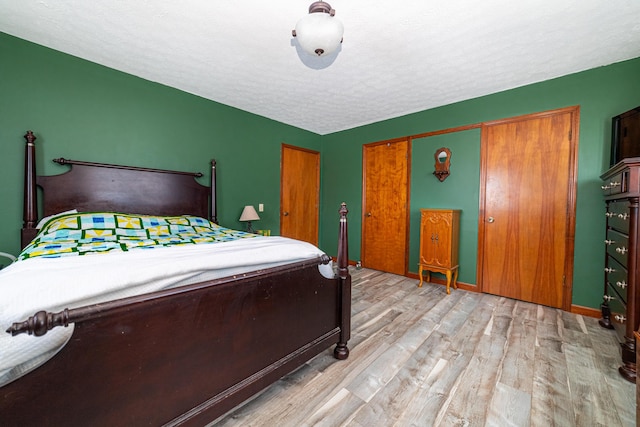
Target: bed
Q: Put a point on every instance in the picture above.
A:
(178, 354)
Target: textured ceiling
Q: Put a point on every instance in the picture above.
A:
(396, 58)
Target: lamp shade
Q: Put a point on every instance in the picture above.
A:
(319, 33)
(249, 214)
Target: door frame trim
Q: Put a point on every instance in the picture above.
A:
(567, 291)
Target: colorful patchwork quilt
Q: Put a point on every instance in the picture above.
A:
(90, 233)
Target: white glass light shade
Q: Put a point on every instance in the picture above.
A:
(319, 33)
(249, 214)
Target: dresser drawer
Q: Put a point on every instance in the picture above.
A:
(616, 277)
(618, 216)
(617, 246)
(618, 314)
(615, 185)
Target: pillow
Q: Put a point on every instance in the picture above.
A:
(46, 219)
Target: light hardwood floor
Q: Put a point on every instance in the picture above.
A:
(420, 357)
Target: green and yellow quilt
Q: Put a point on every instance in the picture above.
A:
(90, 233)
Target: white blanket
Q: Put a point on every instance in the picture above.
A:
(53, 284)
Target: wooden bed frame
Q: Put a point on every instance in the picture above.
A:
(183, 356)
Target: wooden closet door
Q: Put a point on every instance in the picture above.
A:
(385, 206)
(528, 208)
(299, 193)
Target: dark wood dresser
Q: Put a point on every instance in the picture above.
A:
(621, 187)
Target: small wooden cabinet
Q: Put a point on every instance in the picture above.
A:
(621, 300)
(439, 236)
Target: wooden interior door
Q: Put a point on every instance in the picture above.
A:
(299, 193)
(385, 205)
(527, 214)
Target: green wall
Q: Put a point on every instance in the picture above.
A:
(84, 111)
(453, 193)
(601, 94)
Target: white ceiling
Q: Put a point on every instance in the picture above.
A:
(397, 57)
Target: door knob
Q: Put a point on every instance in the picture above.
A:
(285, 213)
(490, 219)
(368, 213)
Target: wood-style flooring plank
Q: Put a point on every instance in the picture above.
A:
(501, 408)
(551, 403)
(591, 401)
(607, 348)
(517, 365)
(481, 374)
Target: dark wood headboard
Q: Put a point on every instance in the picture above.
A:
(101, 187)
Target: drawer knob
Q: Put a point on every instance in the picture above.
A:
(609, 242)
(614, 184)
(622, 250)
(607, 297)
(620, 318)
(609, 270)
(622, 285)
(605, 187)
(623, 215)
(609, 214)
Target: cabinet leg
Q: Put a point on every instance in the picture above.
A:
(420, 274)
(605, 322)
(448, 281)
(628, 369)
(628, 372)
(455, 279)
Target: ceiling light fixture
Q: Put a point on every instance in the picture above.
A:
(319, 33)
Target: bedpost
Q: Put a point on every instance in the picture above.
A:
(213, 205)
(342, 351)
(30, 211)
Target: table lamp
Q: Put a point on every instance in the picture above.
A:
(249, 214)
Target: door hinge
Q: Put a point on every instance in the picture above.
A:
(570, 133)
